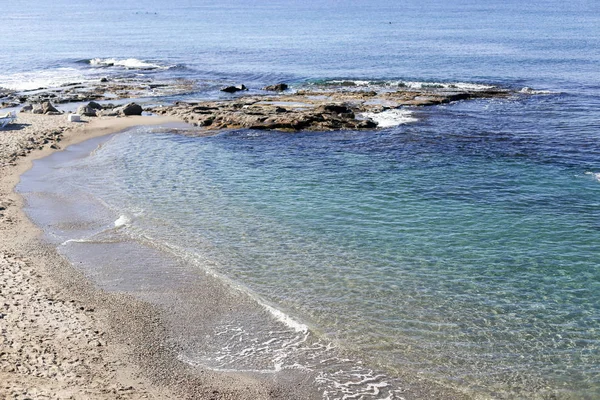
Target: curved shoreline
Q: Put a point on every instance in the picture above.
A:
(67, 336)
(61, 336)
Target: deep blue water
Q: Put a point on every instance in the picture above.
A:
(463, 247)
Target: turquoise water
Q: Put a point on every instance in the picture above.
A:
(453, 258)
(462, 248)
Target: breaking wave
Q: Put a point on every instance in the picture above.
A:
(24, 81)
(127, 63)
(390, 118)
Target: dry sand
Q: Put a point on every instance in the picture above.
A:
(63, 338)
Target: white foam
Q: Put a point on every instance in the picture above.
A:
(529, 90)
(445, 86)
(389, 118)
(416, 85)
(122, 221)
(355, 82)
(75, 241)
(41, 79)
(286, 319)
(129, 63)
(596, 175)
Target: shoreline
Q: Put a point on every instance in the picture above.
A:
(62, 336)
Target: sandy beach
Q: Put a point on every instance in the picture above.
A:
(61, 337)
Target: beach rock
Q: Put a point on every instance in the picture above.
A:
(130, 109)
(94, 105)
(280, 87)
(103, 80)
(27, 108)
(233, 89)
(47, 107)
(108, 113)
(86, 111)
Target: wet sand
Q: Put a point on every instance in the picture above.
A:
(63, 338)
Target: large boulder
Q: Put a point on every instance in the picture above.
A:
(280, 87)
(47, 108)
(233, 89)
(44, 108)
(130, 109)
(94, 105)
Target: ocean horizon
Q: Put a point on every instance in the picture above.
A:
(456, 246)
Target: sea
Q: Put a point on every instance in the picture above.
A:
(456, 249)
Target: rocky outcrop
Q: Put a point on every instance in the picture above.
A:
(316, 110)
(103, 89)
(267, 116)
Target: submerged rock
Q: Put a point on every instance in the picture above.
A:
(233, 89)
(280, 87)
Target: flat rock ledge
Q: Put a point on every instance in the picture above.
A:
(313, 110)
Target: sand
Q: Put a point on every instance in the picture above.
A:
(63, 338)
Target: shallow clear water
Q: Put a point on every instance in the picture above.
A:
(462, 247)
(461, 256)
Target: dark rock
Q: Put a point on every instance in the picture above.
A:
(103, 80)
(233, 89)
(457, 97)
(94, 105)
(367, 124)
(280, 87)
(130, 109)
(336, 109)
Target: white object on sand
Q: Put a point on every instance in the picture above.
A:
(74, 118)
(7, 119)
